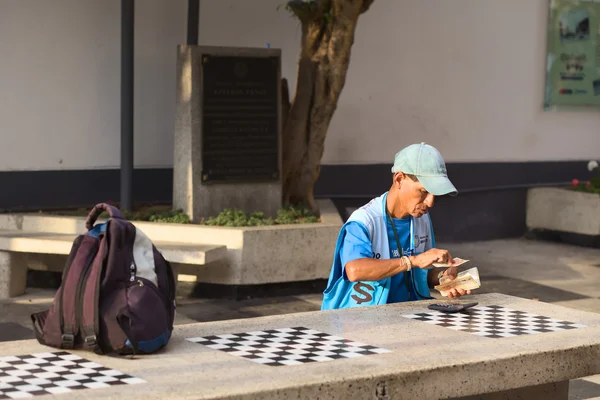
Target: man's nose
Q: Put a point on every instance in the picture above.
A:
(429, 200)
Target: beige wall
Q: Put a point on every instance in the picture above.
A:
(60, 82)
(464, 75)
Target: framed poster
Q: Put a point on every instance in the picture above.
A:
(573, 63)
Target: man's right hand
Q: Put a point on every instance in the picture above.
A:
(425, 260)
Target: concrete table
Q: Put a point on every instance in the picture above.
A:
(423, 360)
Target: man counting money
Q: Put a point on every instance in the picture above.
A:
(386, 250)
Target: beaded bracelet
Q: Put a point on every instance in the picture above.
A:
(406, 262)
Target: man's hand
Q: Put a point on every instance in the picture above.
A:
(451, 273)
(425, 260)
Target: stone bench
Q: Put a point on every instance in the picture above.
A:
(256, 256)
(19, 250)
(419, 360)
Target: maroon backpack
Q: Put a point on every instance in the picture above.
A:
(117, 292)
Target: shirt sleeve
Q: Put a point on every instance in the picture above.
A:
(356, 245)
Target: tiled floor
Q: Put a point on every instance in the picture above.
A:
(583, 389)
(522, 288)
(13, 331)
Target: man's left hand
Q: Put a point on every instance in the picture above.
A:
(451, 273)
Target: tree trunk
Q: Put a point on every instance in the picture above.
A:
(328, 28)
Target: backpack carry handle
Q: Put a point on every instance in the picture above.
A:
(113, 212)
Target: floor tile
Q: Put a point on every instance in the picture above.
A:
(525, 289)
(580, 389)
(13, 331)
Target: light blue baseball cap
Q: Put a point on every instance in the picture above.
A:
(426, 163)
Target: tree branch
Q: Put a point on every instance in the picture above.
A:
(323, 6)
(310, 11)
(314, 38)
(285, 101)
(295, 128)
(340, 44)
(328, 28)
(305, 11)
(365, 6)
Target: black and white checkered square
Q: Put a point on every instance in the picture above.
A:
(287, 346)
(52, 373)
(494, 321)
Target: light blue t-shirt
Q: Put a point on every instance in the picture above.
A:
(357, 245)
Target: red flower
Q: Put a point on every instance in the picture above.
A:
(575, 182)
(588, 183)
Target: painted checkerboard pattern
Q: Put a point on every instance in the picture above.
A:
(287, 346)
(494, 321)
(54, 373)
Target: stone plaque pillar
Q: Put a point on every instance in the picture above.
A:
(227, 130)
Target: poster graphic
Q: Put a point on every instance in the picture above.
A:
(573, 64)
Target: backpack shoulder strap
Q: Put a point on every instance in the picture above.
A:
(82, 255)
(90, 292)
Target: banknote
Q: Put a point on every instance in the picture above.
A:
(457, 261)
(466, 280)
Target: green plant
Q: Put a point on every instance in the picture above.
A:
(176, 217)
(170, 216)
(235, 217)
(591, 186)
(228, 217)
(291, 215)
(238, 218)
(149, 214)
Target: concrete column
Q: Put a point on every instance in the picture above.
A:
(194, 192)
(13, 274)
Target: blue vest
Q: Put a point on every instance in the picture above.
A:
(341, 293)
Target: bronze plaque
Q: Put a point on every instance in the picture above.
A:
(240, 119)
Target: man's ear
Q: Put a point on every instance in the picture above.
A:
(398, 178)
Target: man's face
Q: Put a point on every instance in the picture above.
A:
(413, 196)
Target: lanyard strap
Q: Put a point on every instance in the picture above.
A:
(400, 249)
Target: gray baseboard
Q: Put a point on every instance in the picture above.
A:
(490, 205)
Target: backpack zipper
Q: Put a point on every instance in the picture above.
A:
(140, 282)
(166, 302)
